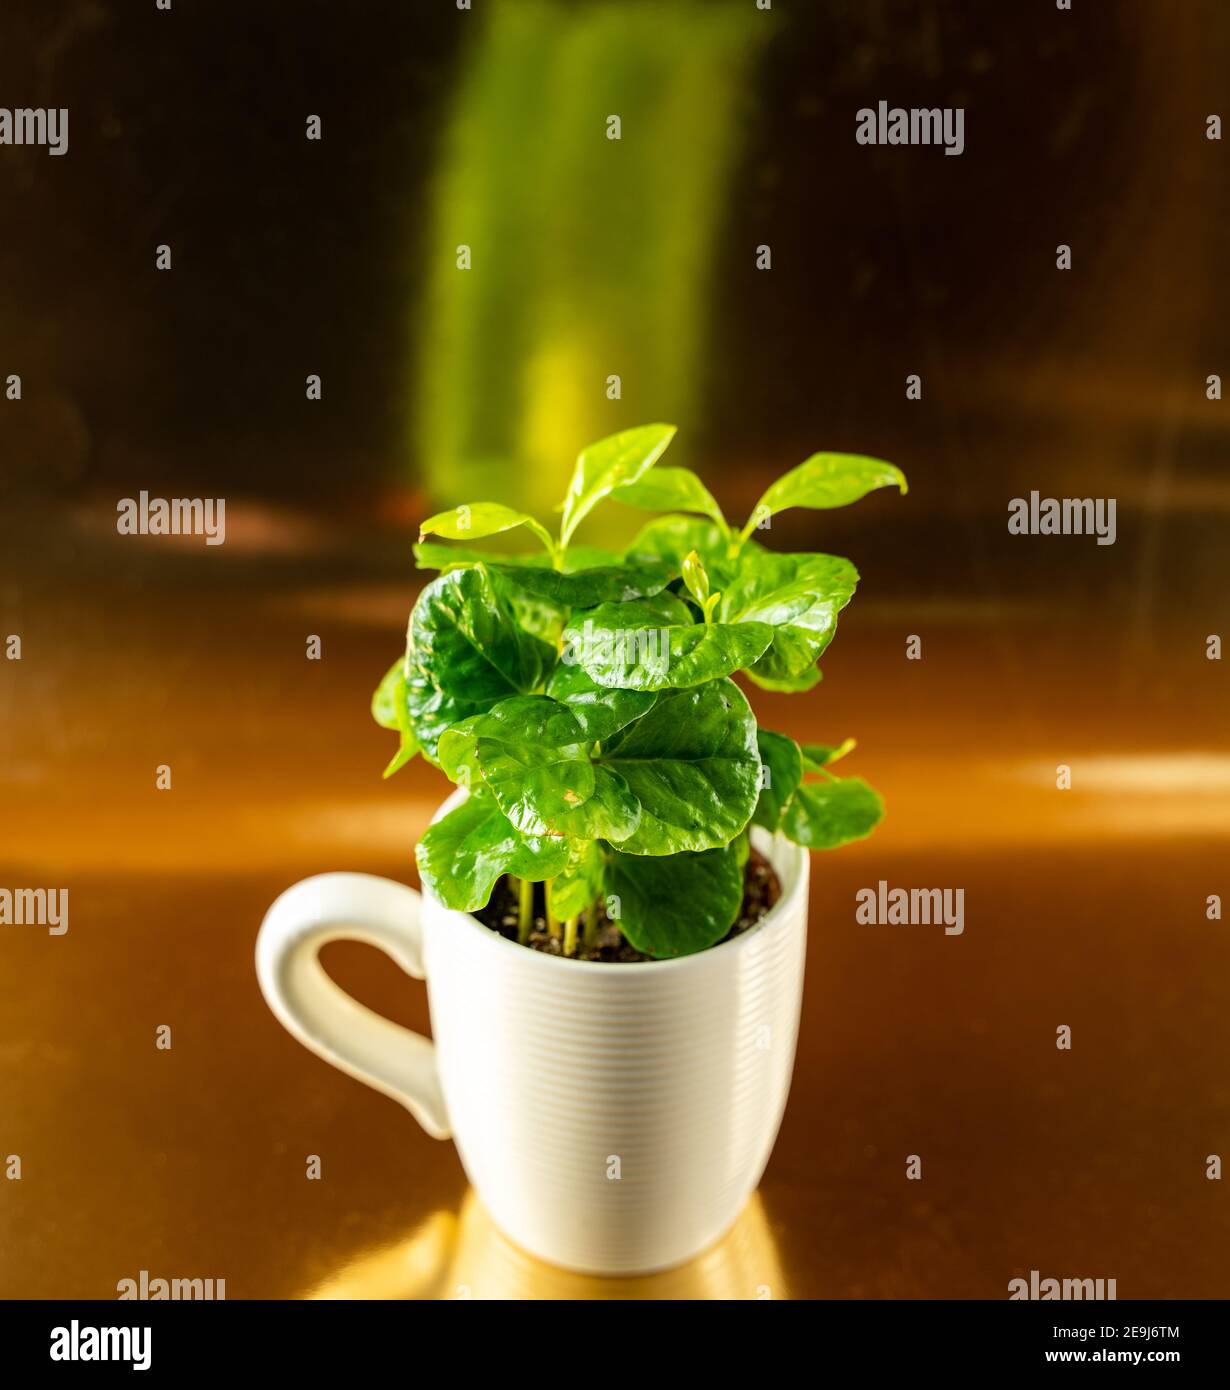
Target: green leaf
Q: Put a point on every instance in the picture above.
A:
(817, 756)
(579, 882)
(671, 490)
(478, 519)
(824, 815)
(678, 904)
(599, 711)
(622, 458)
(823, 481)
(389, 700)
(431, 555)
(407, 750)
(529, 752)
(693, 765)
(466, 652)
(782, 771)
(671, 538)
(655, 644)
(800, 596)
(788, 685)
(390, 712)
(587, 588)
(462, 855)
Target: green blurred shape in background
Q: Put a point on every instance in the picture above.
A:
(591, 256)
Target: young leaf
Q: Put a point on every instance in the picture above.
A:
(478, 519)
(390, 712)
(678, 904)
(824, 815)
(654, 644)
(389, 700)
(671, 538)
(782, 765)
(800, 596)
(579, 882)
(823, 481)
(611, 463)
(818, 756)
(462, 855)
(672, 490)
(693, 765)
(599, 711)
(466, 652)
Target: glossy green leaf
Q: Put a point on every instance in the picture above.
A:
(431, 555)
(613, 462)
(390, 711)
(656, 644)
(823, 481)
(678, 904)
(781, 773)
(817, 756)
(588, 588)
(599, 711)
(693, 764)
(799, 596)
(466, 652)
(389, 700)
(462, 855)
(787, 685)
(478, 519)
(530, 753)
(832, 812)
(671, 490)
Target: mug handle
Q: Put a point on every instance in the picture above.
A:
(324, 1018)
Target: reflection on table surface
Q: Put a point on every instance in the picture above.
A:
(464, 1255)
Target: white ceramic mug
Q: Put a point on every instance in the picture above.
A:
(614, 1118)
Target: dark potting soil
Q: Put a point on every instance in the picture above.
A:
(761, 889)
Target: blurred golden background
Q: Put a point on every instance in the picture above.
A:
(590, 259)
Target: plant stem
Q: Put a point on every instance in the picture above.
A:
(525, 909)
(570, 936)
(591, 924)
(553, 922)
